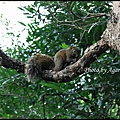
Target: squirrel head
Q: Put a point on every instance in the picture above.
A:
(75, 51)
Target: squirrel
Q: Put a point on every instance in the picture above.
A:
(65, 57)
(36, 64)
(39, 62)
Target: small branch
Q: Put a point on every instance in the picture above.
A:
(73, 26)
(11, 95)
(88, 16)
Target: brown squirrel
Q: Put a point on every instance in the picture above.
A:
(36, 64)
(65, 57)
(39, 62)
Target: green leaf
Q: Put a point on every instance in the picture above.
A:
(21, 8)
(51, 85)
(22, 23)
(64, 45)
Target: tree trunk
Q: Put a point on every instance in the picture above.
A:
(112, 32)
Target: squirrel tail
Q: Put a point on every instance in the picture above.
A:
(32, 70)
(36, 64)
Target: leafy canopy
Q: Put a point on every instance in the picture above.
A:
(94, 94)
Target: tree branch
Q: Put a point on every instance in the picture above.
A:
(9, 62)
(70, 71)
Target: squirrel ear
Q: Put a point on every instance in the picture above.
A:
(71, 46)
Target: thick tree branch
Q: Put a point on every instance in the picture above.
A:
(77, 68)
(69, 72)
(9, 62)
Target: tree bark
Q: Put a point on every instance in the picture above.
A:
(9, 62)
(112, 32)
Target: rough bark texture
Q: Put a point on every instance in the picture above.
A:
(110, 38)
(8, 62)
(112, 32)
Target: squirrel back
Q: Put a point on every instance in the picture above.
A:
(65, 57)
(37, 63)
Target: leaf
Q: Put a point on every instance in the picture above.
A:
(21, 8)
(22, 23)
(52, 86)
(64, 45)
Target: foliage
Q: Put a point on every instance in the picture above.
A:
(94, 94)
